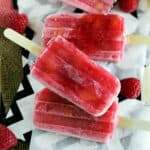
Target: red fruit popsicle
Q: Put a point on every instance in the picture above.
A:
(101, 37)
(53, 113)
(92, 6)
(70, 73)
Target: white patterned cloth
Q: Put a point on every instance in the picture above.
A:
(135, 59)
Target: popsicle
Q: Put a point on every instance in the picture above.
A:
(101, 37)
(67, 71)
(53, 113)
(92, 6)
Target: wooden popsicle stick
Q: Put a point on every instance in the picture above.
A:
(125, 122)
(148, 3)
(36, 49)
(145, 85)
(23, 41)
(138, 39)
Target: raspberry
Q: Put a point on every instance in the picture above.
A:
(7, 138)
(128, 5)
(130, 87)
(13, 19)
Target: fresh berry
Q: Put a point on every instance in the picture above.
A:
(13, 19)
(7, 138)
(130, 87)
(128, 5)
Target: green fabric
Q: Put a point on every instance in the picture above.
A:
(21, 146)
(10, 74)
(10, 69)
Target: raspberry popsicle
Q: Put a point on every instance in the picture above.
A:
(92, 6)
(53, 113)
(101, 37)
(67, 71)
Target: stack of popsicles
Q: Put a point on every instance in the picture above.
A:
(86, 102)
(81, 97)
(71, 74)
